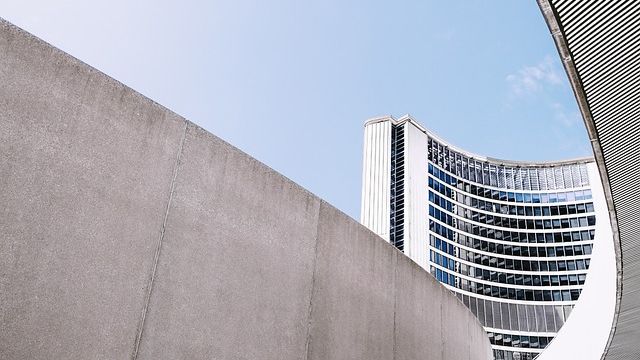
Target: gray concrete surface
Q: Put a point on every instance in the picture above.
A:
(128, 232)
(85, 173)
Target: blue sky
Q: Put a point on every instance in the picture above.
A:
(292, 82)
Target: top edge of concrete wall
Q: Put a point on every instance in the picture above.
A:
(130, 232)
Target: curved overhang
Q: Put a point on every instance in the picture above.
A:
(598, 43)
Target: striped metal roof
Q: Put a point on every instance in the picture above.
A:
(599, 43)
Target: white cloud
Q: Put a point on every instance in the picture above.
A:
(566, 119)
(566, 130)
(532, 79)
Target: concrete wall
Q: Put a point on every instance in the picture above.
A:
(128, 232)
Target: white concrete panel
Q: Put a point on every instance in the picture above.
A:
(376, 177)
(416, 195)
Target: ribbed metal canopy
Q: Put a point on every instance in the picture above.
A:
(599, 43)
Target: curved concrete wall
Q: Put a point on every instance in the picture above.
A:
(129, 232)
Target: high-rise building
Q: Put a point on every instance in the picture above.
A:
(513, 240)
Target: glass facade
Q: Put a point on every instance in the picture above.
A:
(513, 243)
(396, 231)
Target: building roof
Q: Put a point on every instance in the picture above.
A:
(513, 163)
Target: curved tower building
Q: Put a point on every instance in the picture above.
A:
(513, 240)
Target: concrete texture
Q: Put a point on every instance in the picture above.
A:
(85, 174)
(131, 233)
(235, 271)
(352, 310)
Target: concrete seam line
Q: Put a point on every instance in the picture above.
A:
(313, 284)
(442, 351)
(159, 245)
(395, 302)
